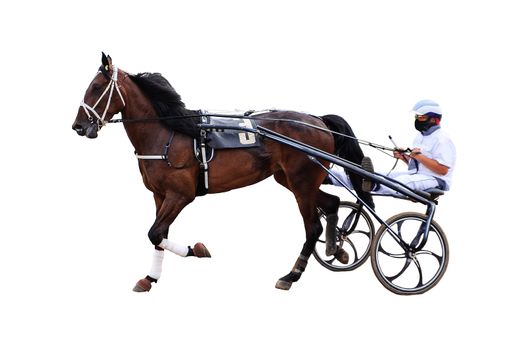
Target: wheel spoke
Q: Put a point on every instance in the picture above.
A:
(399, 224)
(397, 236)
(396, 256)
(399, 241)
(420, 272)
(417, 237)
(346, 239)
(347, 223)
(428, 252)
(366, 233)
(392, 255)
(330, 261)
(403, 269)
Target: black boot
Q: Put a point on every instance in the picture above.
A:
(367, 185)
(331, 224)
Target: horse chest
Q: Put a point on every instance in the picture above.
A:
(160, 177)
(153, 172)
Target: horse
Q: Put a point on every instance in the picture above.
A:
(156, 120)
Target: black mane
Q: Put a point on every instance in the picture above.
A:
(167, 103)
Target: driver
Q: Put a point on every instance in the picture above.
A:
(430, 163)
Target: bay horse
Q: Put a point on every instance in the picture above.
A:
(156, 121)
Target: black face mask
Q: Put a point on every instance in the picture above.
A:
(423, 126)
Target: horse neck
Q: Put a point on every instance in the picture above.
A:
(148, 137)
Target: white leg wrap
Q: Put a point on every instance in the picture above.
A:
(156, 264)
(173, 247)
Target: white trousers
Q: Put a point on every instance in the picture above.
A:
(409, 178)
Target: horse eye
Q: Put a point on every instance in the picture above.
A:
(96, 87)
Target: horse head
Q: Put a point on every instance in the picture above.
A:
(102, 100)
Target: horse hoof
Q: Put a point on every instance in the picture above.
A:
(342, 256)
(201, 251)
(142, 286)
(284, 285)
(330, 250)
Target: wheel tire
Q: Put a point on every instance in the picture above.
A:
(384, 240)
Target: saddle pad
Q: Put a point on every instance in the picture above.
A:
(219, 138)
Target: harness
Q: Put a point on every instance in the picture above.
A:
(214, 134)
(163, 156)
(201, 155)
(203, 152)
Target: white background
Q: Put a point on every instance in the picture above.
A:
(75, 214)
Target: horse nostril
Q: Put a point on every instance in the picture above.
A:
(79, 129)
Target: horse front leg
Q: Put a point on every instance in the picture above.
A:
(167, 211)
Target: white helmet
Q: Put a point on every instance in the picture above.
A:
(426, 106)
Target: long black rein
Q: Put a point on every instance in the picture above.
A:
(379, 147)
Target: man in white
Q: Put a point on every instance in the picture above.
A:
(431, 161)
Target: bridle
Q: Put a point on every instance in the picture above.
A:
(112, 85)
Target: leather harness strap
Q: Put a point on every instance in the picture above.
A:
(202, 183)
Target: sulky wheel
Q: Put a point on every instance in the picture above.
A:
(399, 264)
(356, 243)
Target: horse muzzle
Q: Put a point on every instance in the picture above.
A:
(91, 131)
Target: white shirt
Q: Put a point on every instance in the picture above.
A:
(439, 147)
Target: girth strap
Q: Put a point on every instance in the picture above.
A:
(200, 153)
(163, 156)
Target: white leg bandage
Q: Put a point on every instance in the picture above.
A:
(156, 264)
(173, 247)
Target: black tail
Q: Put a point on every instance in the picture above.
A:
(349, 149)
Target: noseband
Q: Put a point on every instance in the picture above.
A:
(90, 110)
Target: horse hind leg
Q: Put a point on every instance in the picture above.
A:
(329, 204)
(307, 206)
(285, 282)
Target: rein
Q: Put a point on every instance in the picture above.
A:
(379, 147)
(113, 84)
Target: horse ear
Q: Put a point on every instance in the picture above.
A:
(105, 62)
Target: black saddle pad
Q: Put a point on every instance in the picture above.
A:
(220, 138)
